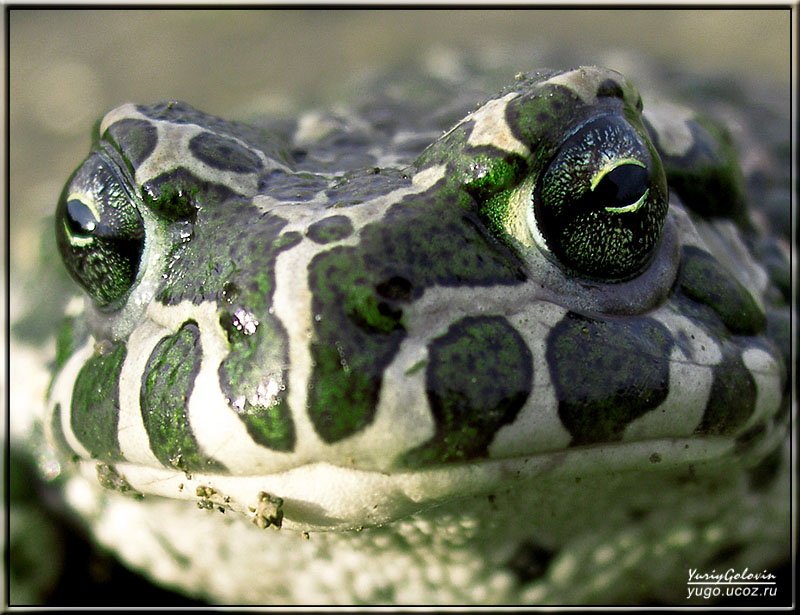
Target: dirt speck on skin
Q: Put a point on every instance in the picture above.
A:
(268, 512)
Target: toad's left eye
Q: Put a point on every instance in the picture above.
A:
(599, 207)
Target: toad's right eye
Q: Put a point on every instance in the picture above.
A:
(99, 230)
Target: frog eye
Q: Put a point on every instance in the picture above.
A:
(99, 230)
(599, 207)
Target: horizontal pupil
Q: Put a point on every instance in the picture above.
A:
(80, 218)
(622, 186)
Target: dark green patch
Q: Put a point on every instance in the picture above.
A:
(174, 194)
(224, 154)
(707, 282)
(396, 288)
(167, 385)
(542, 116)
(95, 403)
(258, 361)
(254, 379)
(491, 174)
(230, 259)
(490, 181)
(358, 344)
(359, 186)
(607, 373)
(135, 139)
(330, 229)
(296, 187)
(232, 245)
(707, 178)
(733, 394)
(255, 137)
(479, 375)
(359, 294)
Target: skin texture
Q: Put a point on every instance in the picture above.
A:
(521, 316)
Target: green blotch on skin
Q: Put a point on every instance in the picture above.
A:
(358, 304)
(733, 394)
(330, 229)
(497, 213)
(166, 387)
(364, 307)
(173, 194)
(707, 282)
(344, 396)
(708, 178)
(136, 139)
(489, 175)
(258, 359)
(95, 404)
(230, 259)
(270, 425)
(223, 153)
(233, 247)
(540, 116)
(439, 237)
(244, 371)
(479, 179)
(480, 373)
(356, 334)
(607, 373)
(491, 182)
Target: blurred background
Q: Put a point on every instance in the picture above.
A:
(68, 67)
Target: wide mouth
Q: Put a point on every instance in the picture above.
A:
(326, 497)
